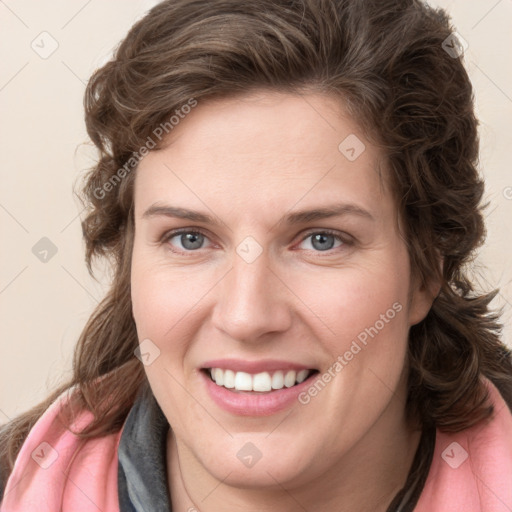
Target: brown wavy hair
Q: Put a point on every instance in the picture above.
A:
(384, 59)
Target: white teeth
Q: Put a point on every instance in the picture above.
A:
(218, 376)
(289, 378)
(229, 378)
(261, 382)
(278, 380)
(243, 381)
(301, 376)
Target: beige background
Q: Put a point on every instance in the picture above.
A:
(44, 305)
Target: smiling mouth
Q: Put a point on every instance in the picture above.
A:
(263, 382)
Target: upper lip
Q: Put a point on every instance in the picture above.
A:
(263, 365)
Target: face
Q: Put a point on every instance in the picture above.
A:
(269, 256)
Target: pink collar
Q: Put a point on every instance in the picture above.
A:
(55, 470)
(471, 471)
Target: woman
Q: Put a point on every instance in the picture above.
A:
(288, 195)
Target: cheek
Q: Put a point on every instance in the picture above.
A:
(161, 296)
(162, 301)
(364, 329)
(349, 302)
(168, 309)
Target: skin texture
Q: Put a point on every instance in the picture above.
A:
(249, 162)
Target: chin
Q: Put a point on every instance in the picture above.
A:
(259, 463)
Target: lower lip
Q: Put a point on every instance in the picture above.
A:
(250, 403)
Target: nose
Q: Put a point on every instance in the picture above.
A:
(252, 301)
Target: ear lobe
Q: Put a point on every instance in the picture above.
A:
(423, 295)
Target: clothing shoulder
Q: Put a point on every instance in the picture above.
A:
(477, 462)
(55, 466)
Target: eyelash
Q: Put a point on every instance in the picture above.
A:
(345, 241)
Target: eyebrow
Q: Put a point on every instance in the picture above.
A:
(299, 217)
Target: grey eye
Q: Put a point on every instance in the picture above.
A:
(322, 241)
(190, 240)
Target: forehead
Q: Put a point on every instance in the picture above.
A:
(266, 148)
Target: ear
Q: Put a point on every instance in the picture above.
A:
(422, 295)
